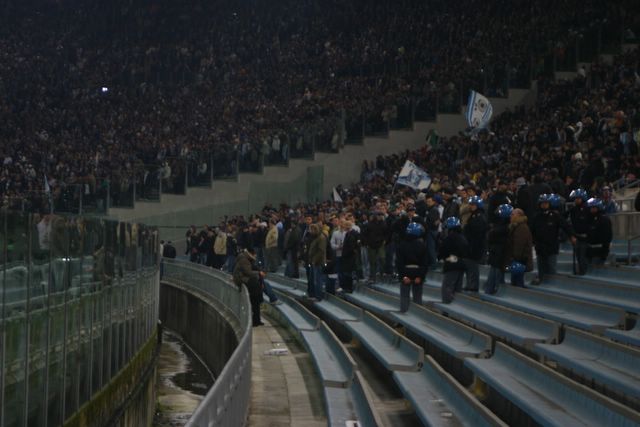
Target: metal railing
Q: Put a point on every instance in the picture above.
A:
(622, 185)
(626, 226)
(78, 301)
(227, 402)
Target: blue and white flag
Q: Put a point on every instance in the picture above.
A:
(479, 111)
(414, 177)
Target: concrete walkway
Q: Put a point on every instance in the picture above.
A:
(285, 389)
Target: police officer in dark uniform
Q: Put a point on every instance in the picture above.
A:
(545, 228)
(600, 232)
(475, 231)
(453, 250)
(580, 217)
(411, 263)
(497, 243)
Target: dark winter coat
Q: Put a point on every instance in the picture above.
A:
(600, 233)
(169, 251)
(244, 239)
(375, 234)
(523, 200)
(411, 251)
(451, 208)
(497, 199)
(580, 218)
(497, 244)
(432, 219)
(454, 244)
(318, 250)
(545, 228)
(475, 231)
(244, 273)
(292, 239)
(350, 250)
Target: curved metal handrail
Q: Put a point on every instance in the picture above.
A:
(227, 402)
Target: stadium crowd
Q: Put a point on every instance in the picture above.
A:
(123, 91)
(128, 92)
(495, 197)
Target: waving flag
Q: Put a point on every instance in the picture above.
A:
(336, 196)
(414, 177)
(479, 111)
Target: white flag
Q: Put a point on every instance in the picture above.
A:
(47, 188)
(479, 111)
(414, 177)
(336, 196)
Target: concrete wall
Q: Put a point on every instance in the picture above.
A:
(214, 338)
(206, 206)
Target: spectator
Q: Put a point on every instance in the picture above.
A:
(519, 246)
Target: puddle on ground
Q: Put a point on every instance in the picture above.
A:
(182, 382)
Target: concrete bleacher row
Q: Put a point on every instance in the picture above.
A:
(346, 395)
(436, 396)
(548, 397)
(531, 331)
(615, 366)
(532, 315)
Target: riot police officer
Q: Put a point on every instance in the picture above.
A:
(580, 217)
(497, 242)
(453, 250)
(600, 232)
(475, 231)
(411, 263)
(545, 228)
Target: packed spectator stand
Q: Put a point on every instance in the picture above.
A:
(152, 98)
(111, 103)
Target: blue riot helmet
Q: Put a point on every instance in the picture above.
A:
(578, 193)
(476, 200)
(555, 201)
(504, 211)
(595, 203)
(544, 198)
(414, 229)
(517, 267)
(452, 222)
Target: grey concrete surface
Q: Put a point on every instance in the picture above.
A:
(285, 389)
